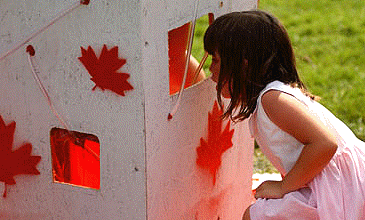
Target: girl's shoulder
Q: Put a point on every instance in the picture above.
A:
(285, 88)
(278, 85)
(295, 118)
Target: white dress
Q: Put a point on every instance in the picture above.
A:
(338, 192)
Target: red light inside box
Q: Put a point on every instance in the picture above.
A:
(75, 158)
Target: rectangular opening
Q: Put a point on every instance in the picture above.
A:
(178, 40)
(75, 158)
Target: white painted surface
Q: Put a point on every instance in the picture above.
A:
(117, 121)
(176, 187)
(258, 178)
(133, 130)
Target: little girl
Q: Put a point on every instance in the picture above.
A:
(320, 159)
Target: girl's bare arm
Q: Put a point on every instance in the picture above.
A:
(293, 117)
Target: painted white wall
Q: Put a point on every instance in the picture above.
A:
(176, 188)
(133, 130)
(117, 121)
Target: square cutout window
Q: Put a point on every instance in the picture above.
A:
(75, 158)
(178, 40)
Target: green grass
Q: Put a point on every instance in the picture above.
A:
(261, 164)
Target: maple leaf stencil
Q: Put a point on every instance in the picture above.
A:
(14, 162)
(209, 153)
(103, 70)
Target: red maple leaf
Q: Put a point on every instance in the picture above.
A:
(209, 154)
(14, 162)
(103, 70)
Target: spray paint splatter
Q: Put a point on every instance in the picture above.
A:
(15, 162)
(209, 153)
(103, 70)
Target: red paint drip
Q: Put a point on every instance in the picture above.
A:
(30, 50)
(5, 191)
(84, 2)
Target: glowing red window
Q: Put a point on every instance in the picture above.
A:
(75, 158)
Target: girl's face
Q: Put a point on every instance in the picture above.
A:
(215, 69)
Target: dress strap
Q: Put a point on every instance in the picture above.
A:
(280, 86)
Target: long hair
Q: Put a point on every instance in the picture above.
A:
(255, 50)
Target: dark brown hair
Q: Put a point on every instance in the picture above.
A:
(255, 50)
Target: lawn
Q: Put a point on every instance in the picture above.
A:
(328, 37)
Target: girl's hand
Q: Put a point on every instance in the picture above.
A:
(270, 190)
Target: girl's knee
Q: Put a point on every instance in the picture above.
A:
(246, 215)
